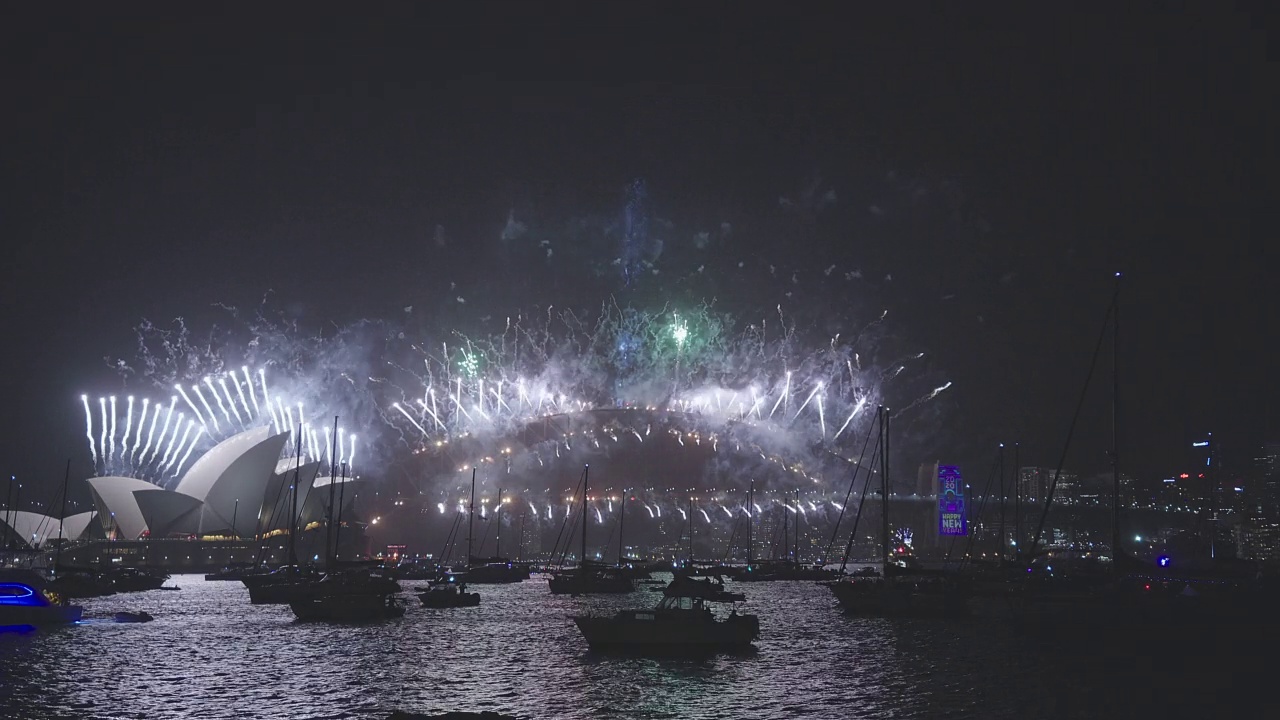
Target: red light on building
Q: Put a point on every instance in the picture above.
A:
(1184, 476)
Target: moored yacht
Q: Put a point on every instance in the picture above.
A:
(448, 594)
(348, 608)
(681, 624)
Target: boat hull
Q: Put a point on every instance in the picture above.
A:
(684, 633)
(39, 617)
(346, 609)
(880, 598)
(590, 585)
(449, 600)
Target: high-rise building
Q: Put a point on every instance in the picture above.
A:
(1037, 481)
(1260, 530)
(927, 480)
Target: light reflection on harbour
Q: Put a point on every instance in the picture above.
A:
(209, 654)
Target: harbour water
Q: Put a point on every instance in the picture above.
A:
(210, 654)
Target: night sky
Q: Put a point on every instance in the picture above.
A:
(998, 165)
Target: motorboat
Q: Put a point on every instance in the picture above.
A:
(681, 624)
(237, 572)
(591, 579)
(133, 617)
(280, 586)
(347, 608)
(27, 603)
(448, 594)
(80, 583)
(786, 570)
(709, 588)
(901, 595)
(492, 571)
(137, 579)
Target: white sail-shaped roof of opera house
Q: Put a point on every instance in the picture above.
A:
(223, 493)
(36, 529)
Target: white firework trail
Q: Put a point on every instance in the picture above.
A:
(805, 404)
(164, 429)
(727, 511)
(222, 382)
(208, 381)
(199, 432)
(705, 516)
(111, 435)
(194, 410)
(181, 443)
(409, 418)
(599, 518)
(351, 455)
(856, 409)
(137, 436)
(240, 393)
(683, 515)
(168, 451)
(933, 394)
(786, 391)
(286, 415)
(204, 402)
(253, 396)
(102, 444)
(342, 439)
(128, 427)
(646, 507)
(88, 429)
(822, 417)
(266, 398)
(151, 433)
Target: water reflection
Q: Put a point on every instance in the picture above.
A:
(210, 654)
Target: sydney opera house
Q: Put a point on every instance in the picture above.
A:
(234, 500)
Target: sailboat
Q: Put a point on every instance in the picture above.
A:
(589, 577)
(905, 588)
(1131, 596)
(358, 593)
(496, 569)
(284, 583)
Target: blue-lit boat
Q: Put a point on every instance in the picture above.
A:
(26, 603)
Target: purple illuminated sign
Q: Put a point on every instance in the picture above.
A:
(951, 515)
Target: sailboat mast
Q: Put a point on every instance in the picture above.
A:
(471, 520)
(691, 532)
(1017, 500)
(329, 554)
(293, 502)
(786, 534)
(585, 470)
(622, 519)
(884, 483)
(337, 528)
(62, 514)
(1115, 421)
(1003, 498)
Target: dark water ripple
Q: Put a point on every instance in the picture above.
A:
(210, 654)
